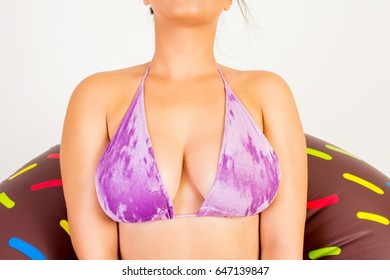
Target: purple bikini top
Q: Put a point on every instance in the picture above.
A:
(129, 186)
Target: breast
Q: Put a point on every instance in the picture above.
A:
(128, 186)
(248, 174)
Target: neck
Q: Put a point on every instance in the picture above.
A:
(182, 51)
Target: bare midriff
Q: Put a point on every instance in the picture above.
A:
(191, 238)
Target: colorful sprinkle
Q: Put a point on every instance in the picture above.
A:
(323, 202)
(373, 217)
(323, 252)
(23, 170)
(64, 224)
(318, 153)
(6, 201)
(26, 248)
(46, 184)
(388, 184)
(336, 149)
(54, 156)
(363, 182)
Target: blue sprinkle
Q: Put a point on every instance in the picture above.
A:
(388, 184)
(26, 248)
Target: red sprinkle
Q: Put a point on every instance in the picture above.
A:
(46, 184)
(54, 156)
(323, 202)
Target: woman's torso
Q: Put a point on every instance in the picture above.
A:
(185, 123)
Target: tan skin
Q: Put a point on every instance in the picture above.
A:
(184, 104)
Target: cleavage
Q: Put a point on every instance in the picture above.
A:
(186, 138)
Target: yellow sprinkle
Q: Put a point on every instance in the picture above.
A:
(6, 201)
(373, 217)
(64, 224)
(319, 154)
(363, 182)
(333, 148)
(23, 170)
(323, 252)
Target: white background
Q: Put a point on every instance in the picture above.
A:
(113, 270)
(334, 54)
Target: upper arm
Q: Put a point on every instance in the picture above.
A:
(282, 223)
(84, 137)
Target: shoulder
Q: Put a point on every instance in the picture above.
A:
(264, 93)
(102, 86)
(262, 85)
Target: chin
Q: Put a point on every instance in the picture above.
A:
(190, 11)
(193, 18)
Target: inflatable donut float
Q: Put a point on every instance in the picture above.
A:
(348, 208)
(32, 212)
